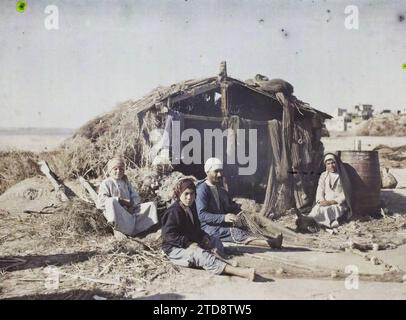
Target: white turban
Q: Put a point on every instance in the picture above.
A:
(329, 156)
(115, 162)
(213, 164)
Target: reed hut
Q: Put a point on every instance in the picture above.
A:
(288, 149)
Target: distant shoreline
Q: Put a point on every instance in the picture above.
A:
(37, 131)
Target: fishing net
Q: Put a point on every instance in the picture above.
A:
(245, 228)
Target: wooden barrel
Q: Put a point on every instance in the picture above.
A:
(365, 179)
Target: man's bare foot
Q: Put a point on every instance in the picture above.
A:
(276, 242)
(248, 273)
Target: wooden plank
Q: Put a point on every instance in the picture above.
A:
(86, 185)
(217, 119)
(59, 188)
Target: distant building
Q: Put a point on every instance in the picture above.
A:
(340, 112)
(364, 111)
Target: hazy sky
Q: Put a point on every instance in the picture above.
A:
(106, 52)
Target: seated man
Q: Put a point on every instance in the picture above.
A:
(121, 204)
(331, 204)
(217, 212)
(186, 244)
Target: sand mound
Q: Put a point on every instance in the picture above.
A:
(384, 125)
(392, 157)
(32, 194)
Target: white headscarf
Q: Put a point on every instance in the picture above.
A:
(213, 164)
(330, 156)
(113, 163)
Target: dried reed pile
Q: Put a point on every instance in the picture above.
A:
(78, 218)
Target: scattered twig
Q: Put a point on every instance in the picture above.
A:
(103, 281)
(29, 279)
(142, 243)
(108, 265)
(37, 212)
(156, 275)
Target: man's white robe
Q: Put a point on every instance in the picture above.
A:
(131, 222)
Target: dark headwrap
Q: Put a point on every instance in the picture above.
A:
(181, 186)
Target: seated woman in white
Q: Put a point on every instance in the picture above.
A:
(122, 205)
(331, 203)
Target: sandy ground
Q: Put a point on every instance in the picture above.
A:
(318, 270)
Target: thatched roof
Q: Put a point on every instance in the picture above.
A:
(190, 88)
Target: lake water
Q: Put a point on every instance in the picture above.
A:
(33, 139)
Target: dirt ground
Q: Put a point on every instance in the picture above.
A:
(36, 263)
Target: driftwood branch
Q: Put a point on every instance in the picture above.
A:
(59, 187)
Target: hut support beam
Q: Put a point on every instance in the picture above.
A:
(225, 99)
(192, 93)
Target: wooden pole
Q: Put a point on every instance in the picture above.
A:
(224, 100)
